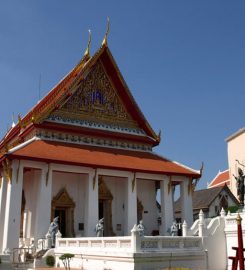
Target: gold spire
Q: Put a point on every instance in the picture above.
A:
(88, 46)
(104, 42)
(159, 136)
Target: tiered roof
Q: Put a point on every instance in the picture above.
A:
(67, 114)
(221, 179)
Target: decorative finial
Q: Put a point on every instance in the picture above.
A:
(159, 136)
(104, 42)
(238, 219)
(89, 42)
(201, 169)
(13, 123)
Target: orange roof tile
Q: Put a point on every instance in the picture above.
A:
(220, 179)
(100, 157)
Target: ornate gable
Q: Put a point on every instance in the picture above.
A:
(96, 100)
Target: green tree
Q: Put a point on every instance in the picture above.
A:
(66, 258)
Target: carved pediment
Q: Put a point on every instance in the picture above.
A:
(62, 199)
(96, 100)
(104, 192)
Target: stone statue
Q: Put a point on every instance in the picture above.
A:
(141, 228)
(174, 229)
(240, 186)
(53, 229)
(99, 228)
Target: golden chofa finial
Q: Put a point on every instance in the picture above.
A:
(104, 42)
(89, 43)
(159, 136)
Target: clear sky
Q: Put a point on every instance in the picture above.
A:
(183, 60)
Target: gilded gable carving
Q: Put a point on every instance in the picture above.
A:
(95, 99)
(63, 199)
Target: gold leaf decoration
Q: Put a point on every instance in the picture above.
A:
(95, 99)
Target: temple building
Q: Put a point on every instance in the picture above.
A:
(84, 152)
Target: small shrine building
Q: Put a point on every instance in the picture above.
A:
(84, 152)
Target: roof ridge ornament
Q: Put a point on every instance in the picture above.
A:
(104, 42)
(89, 43)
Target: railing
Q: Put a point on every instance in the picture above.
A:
(163, 243)
(23, 255)
(135, 243)
(103, 243)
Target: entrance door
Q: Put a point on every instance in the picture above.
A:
(63, 207)
(105, 207)
(105, 212)
(61, 213)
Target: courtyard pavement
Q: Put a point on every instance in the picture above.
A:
(6, 266)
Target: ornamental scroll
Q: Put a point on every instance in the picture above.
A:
(7, 169)
(96, 99)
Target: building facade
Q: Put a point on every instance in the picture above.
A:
(84, 152)
(236, 156)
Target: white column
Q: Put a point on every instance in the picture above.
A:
(13, 208)
(131, 203)
(3, 192)
(43, 210)
(166, 205)
(186, 201)
(92, 204)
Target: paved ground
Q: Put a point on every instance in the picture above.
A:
(5, 266)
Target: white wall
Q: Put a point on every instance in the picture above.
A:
(75, 186)
(146, 193)
(117, 187)
(30, 186)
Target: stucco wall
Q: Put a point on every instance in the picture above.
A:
(75, 186)
(147, 195)
(117, 187)
(30, 187)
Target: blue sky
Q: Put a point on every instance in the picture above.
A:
(183, 60)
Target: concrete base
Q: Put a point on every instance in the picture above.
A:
(5, 258)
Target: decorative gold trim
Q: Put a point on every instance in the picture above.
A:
(106, 197)
(7, 170)
(94, 179)
(87, 54)
(63, 201)
(238, 219)
(104, 42)
(96, 99)
(133, 182)
(19, 120)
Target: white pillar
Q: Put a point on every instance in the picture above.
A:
(13, 208)
(186, 201)
(166, 205)
(43, 209)
(131, 203)
(92, 204)
(3, 192)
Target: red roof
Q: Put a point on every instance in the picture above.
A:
(99, 157)
(220, 179)
(65, 88)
